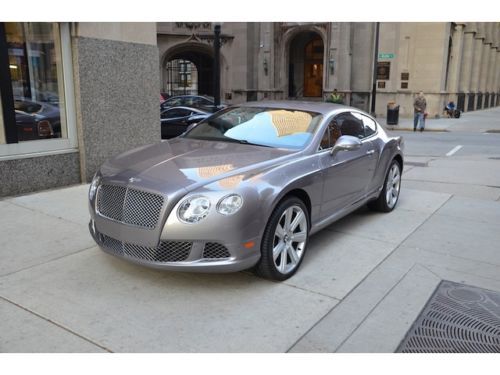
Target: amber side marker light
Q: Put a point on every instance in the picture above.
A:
(249, 244)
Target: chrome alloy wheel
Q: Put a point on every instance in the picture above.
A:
(290, 239)
(393, 184)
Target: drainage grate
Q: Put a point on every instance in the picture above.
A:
(457, 319)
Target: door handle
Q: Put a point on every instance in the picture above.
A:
(371, 152)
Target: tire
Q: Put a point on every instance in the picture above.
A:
(389, 196)
(287, 242)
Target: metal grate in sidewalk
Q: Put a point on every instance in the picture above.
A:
(457, 319)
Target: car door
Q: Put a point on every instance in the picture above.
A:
(346, 174)
(173, 122)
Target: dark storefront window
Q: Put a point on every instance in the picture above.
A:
(32, 90)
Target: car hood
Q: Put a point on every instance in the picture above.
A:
(186, 164)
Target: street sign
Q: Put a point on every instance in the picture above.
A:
(385, 55)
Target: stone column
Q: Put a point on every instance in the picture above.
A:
(490, 83)
(467, 57)
(456, 59)
(117, 88)
(476, 66)
(485, 62)
(344, 59)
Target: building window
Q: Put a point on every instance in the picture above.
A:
(36, 79)
(182, 77)
(36, 90)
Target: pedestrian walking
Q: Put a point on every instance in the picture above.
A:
(419, 105)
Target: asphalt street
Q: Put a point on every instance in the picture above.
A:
(362, 284)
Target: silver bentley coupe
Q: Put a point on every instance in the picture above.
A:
(244, 188)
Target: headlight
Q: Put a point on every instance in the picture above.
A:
(230, 204)
(94, 185)
(194, 209)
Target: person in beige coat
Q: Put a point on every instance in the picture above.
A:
(419, 105)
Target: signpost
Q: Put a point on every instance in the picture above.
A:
(385, 55)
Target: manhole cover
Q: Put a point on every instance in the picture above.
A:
(457, 319)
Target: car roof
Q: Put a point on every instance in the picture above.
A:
(189, 96)
(194, 109)
(323, 108)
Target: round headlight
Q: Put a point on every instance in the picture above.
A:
(194, 209)
(230, 204)
(94, 185)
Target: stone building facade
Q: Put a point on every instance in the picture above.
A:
(286, 60)
(72, 95)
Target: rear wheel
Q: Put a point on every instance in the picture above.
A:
(389, 195)
(284, 241)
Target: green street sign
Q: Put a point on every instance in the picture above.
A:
(385, 55)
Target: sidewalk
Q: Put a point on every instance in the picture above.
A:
(477, 121)
(359, 289)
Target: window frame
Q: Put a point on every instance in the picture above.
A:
(42, 147)
(339, 114)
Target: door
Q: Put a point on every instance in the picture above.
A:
(347, 174)
(313, 68)
(173, 122)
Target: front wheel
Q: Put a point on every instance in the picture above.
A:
(284, 241)
(390, 193)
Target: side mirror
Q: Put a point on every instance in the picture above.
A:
(346, 143)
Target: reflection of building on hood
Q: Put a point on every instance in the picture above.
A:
(216, 170)
(208, 172)
(288, 122)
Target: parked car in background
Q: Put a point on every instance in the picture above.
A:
(245, 188)
(36, 120)
(203, 102)
(176, 120)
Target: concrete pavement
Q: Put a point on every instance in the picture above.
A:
(477, 121)
(362, 284)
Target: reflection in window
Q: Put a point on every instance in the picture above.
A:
(34, 50)
(262, 126)
(2, 130)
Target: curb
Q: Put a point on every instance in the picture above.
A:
(411, 129)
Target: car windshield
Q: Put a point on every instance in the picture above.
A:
(270, 127)
(27, 107)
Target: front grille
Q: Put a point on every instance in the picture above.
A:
(167, 251)
(129, 206)
(215, 251)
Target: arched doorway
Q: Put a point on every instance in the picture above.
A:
(188, 70)
(305, 69)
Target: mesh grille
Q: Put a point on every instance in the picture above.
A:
(167, 251)
(215, 250)
(457, 319)
(129, 206)
(110, 200)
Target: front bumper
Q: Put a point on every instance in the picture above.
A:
(191, 256)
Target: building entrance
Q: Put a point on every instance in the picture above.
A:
(188, 73)
(306, 66)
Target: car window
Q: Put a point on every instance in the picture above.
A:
(173, 101)
(332, 133)
(351, 125)
(203, 101)
(271, 127)
(369, 125)
(27, 107)
(175, 112)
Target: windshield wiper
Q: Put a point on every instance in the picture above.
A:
(245, 142)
